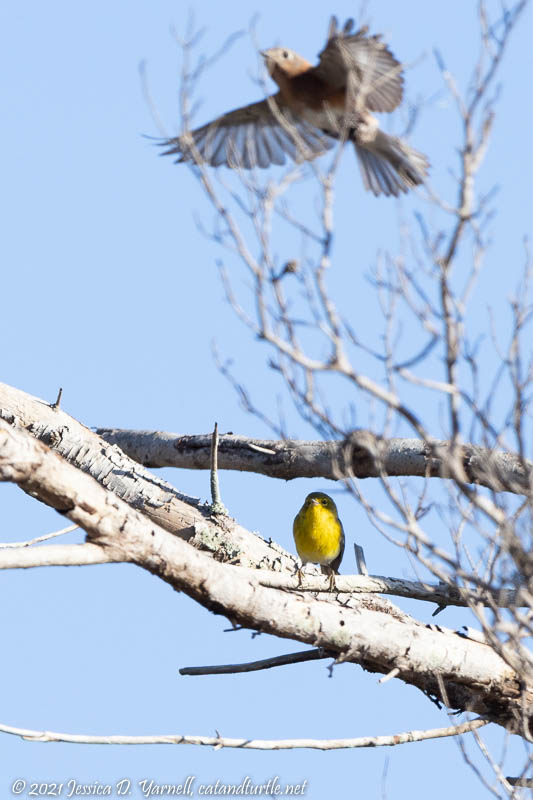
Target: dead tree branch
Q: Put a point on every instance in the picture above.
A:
(361, 455)
(218, 742)
(368, 631)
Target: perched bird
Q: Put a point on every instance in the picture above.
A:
(314, 107)
(319, 535)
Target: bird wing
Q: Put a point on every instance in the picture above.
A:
(362, 64)
(335, 564)
(256, 135)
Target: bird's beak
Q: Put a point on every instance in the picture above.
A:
(269, 62)
(314, 502)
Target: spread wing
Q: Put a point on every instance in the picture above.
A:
(363, 64)
(253, 136)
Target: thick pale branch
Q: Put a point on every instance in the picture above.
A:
(66, 555)
(366, 630)
(143, 490)
(442, 595)
(250, 744)
(363, 455)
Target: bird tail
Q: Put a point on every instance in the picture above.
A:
(388, 165)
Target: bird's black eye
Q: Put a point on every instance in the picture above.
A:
(324, 502)
(285, 54)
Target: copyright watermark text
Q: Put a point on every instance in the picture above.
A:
(148, 788)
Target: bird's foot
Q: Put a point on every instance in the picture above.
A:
(332, 586)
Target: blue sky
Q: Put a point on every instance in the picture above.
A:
(110, 291)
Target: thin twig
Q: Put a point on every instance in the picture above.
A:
(265, 663)
(58, 399)
(215, 489)
(39, 538)
(217, 507)
(360, 560)
(527, 782)
(390, 675)
(251, 744)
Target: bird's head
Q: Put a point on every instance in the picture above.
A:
(281, 58)
(320, 499)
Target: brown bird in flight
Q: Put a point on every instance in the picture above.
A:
(314, 107)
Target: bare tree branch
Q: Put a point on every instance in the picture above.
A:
(144, 491)
(255, 666)
(38, 539)
(441, 594)
(369, 631)
(66, 555)
(362, 455)
(219, 742)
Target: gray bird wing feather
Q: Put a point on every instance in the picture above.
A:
(335, 564)
(256, 135)
(362, 64)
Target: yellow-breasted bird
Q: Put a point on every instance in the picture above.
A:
(319, 535)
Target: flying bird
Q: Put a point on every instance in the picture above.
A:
(315, 106)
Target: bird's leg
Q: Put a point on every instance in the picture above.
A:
(331, 573)
(300, 573)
